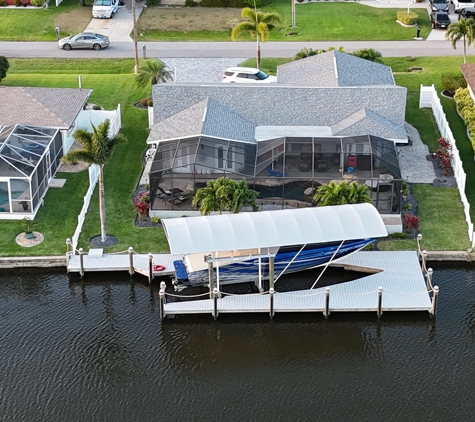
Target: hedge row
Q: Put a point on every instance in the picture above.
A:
(466, 108)
(407, 18)
(234, 3)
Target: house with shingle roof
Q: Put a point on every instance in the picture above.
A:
(328, 112)
(36, 130)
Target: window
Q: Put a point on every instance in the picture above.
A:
(242, 75)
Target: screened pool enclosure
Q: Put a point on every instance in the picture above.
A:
(285, 171)
(29, 158)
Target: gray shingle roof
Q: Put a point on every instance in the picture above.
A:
(270, 105)
(334, 69)
(48, 107)
(367, 122)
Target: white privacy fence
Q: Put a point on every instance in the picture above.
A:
(430, 99)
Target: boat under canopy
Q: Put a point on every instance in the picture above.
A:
(240, 245)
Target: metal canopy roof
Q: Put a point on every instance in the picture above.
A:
(265, 229)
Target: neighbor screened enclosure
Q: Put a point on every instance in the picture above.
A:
(285, 171)
(29, 158)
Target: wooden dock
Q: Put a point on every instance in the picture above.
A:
(399, 285)
(96, 261)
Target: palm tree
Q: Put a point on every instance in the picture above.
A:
(153, 72)
(462, 30)
(369, 54)
(224, 195)
(341, 193)
(97, 148)
(258, 24)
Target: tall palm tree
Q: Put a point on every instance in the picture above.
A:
(152, 72)
(463, 30)
(97, 148)
(369, 54)
(258, 24)
(341, 193)
(224, 195)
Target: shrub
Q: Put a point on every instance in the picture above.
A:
(37, 3)
(451, 82)
(411, 222)
(407, 18)
(96, 107)
(142, 204)
(463, 99)
(399, 235)
(17, 3)
(3, 3)
(407, 207)
(153, 2)
(190, 3)
(144, 101)
(150, 102)
(155, 220)
(468, 114)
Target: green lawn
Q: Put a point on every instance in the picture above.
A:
(332, 21)
(38, 25)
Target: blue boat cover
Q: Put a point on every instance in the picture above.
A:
(180, 270)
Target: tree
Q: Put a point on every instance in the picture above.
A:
(341, 193)
(369, 54)
(224, 195)
(97, 148)
(463, 30)
(308, 52)
(258, 24)
(4, 65)
(152, 73)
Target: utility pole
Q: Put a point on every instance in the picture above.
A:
(294, 24)
(136, 67)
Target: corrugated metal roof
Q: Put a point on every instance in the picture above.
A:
(265, 229)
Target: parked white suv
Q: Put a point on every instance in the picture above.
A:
(246, 75)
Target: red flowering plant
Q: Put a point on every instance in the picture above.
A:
(411, 222)
(142, 204)
(443, 155)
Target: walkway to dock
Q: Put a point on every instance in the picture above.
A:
(404, 288)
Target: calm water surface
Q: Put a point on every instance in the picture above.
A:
(97, 351)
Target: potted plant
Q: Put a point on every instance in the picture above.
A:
(26, 224)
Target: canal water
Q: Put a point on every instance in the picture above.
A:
(97, 351)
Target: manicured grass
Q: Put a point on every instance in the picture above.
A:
(332, 21)
(57, 220)
(38, 25)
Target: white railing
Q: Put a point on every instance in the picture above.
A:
(93, 177)
(429, 99)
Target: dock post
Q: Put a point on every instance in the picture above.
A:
(81, 262)
(215, 300)
(380, 301)
(430, 271)
(433, 309)
(419, 238)
(150, 268)
(131, 260)
(68, 256)
(161, 295)
(271, 297)
(210, 275)
(271, 272)
(423, 260)
(326, 311)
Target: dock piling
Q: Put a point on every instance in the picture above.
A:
(131, 261)
(433, 310)
(161, 295)
(210, 276)
(271, 299)
(150, 268)
(326, 311)
(380, 301)
(430, 271)
(215, 300)
(423, 260)
(81, 262)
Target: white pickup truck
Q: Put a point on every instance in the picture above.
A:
(104, 8)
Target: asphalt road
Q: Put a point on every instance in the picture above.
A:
(229, 49)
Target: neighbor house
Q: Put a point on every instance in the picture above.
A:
(329, 117)
(36, 130)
